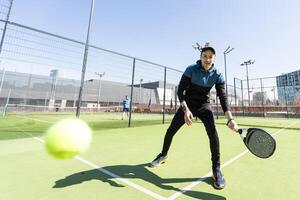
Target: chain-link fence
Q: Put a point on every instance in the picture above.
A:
(41, 71)
(266, 97)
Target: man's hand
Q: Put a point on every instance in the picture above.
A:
(188, 116)
(233, 125)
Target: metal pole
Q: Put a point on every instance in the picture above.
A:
(98, 97)
(28, 89)
(234, 94)
(131, 92)
(294, 89)
(7, 102)
(54, 89)
(47, 93)
(74, 103)
(84, 61)
(164, 100)
(262, 97)
(2, 79)
(225, 75)
(99, 89)
(249, 103)
(228, 50)
(5, 26)
(242, 98)
(140, 91)
(246, 63)
(274, 95)
(286, 104)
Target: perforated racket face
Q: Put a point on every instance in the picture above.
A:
(260, 143)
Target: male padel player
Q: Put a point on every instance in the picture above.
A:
(193, 93)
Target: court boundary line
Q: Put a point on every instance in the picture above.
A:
(209, 174)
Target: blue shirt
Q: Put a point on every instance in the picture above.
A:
(126, 103)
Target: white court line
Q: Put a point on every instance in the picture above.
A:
(123, 180)
(136, 186)
(208, 175)
(39, 120)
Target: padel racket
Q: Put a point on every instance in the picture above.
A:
(258, 141)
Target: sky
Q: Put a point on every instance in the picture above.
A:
(163, 32)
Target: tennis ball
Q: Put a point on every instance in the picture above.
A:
(68, 138)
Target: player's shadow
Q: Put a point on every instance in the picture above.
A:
(133, 172)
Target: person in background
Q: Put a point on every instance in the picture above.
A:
(126, 107)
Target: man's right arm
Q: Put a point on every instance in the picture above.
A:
(184, 84)
(182, 87)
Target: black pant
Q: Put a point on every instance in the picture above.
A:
(205, 114)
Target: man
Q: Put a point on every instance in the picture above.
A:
(126, 107)
(193, 94)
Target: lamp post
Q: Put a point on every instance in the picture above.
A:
(246, 63)
(99, 88)
(141, 80)
(74, 102)
(273, 90)
(227, 51)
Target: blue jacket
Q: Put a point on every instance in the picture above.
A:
(196, 83)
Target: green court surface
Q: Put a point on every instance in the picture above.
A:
(115, 166)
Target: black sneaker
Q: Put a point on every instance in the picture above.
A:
(218, 179)
(160, 159)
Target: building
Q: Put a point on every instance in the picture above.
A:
(288, 87)
(57, 91)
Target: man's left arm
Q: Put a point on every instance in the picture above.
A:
(220, 88)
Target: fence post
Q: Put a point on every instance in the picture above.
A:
(131, 92)
(242, 98)
(2, 79)
(86, 50)
(286, 104)
(7, 102)
(234, 94)
(164, 100)
(262, 97)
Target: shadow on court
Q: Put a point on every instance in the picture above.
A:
(134, 172)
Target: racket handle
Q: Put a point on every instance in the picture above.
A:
(240, 131)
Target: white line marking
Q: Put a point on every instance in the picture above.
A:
(136, 186)
(208, 175)
(39, 120)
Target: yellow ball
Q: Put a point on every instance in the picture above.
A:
(68, 138)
